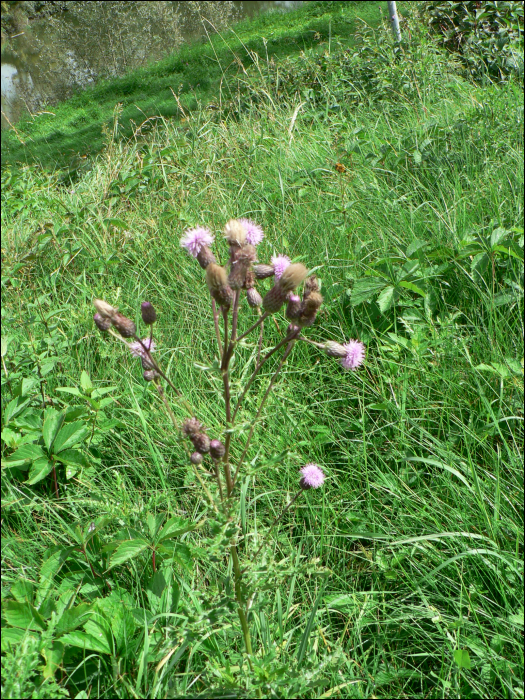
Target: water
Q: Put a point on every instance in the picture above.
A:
(39, 68)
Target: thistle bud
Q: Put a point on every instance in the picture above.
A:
(217, 282)
(235, 233)
(201, 442)
(150, 374)
(146, 362)
(263, 271)
(102, 323)
(104, 309)
(196, 458)
(274, 299)
(191, 426)
(240, 262)
(124, 326)
(333, 349)
(217, 449)
(205, 256)
(293, 276)
(309, 309)
(149, 315)
(293, 308)
(253, 297)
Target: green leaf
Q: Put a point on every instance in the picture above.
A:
(12, 636)
(179, 552)
(53, 654)
(413, 288)
(23, 615)
(39, 470)
(73, 617)
(69, 435)
(127, 550)
(87, 641)
(70, 390)
(53, 420)
(75, 458)
(365, 289)
(386, 299)
(14, 408)
(174, 527)
(85, 383)
(462, 658)
(26, 453)
(22, 591)
(154, 522)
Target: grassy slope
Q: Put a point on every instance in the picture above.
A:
(194, 74)
(424, 554)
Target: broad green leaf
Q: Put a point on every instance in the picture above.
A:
(174, 527)
(498, 235)
(413, 288)
(12, 636)
(69, 390)
(53, 420)
(73, 617)
(513, 251)
(39, 470)
(415, 246)
(179, 552)
(70, 472)
(462, 658)
(365, 289)
(26, 453)
(53, 654)
(22, 591)
(69, 435)
(75, 458)
(154, 522)
(88, 642)
(386, 299)
(23, 615)
(14, 408)
(127, 550)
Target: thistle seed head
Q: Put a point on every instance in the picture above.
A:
(201, 442)
(102, 323)
(235, 233)
(104, 309)
(263, 271)
(217, 282)
(293, 276)
(217, 449)
(311, 284)
(240, 262)
(309, 309)
(149, 315)
(124, 326)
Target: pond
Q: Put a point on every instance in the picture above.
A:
(47, 58)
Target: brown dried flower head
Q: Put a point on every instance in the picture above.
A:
(293, 276)
(235, 233)
(104, 309)
(240, 262)
(103, 324)
(217, 282)
(311, 284)
(263, 271)
(201, 442)
(253, 297)
(309, 309)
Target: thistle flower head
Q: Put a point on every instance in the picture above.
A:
(333, 349)
(292, 276)
(124, 325)
(201, 442)
(280, 263)
(217, 281)
(104, 309)
(149, 315)
(235, 233)
(293, 308)
(103, 324)
(138, 350)
(195, 238)
(355, 354)
(150, 374)
(309, 309)
(217, 449)
(191, 426)
(253, 297)
(196, 458)
(312, 477)
(263, 271)
(310, 285)
(254, 232)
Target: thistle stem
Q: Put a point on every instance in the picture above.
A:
(251, 328)
(216, 324)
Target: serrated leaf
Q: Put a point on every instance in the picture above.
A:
(73, 617)
(175, 527)
(23, 591)
(365, 289)
(127, 550)
(179, 552)
(23, 615)
(71, 434)
(39, 470)
(74, 458)
(12, 636)
(69, 390)
(154, 522)
(53, 420)
(386, 299)
(24, 454)
(413, 288)
(53, 654)
(88, 642)
(14, 408)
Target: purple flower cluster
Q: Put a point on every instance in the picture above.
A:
(355, 354)
(313, 476)
(195, 238)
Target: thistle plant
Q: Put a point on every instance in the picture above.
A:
(234, 293)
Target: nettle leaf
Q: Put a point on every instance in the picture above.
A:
(24, 454)
(175, 527)
(23, 615)
(70, 435)
(39, 470)
(126, 551)
(53, 420)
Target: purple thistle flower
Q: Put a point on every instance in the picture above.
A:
(137, 350)
(195, 238)
(355, 354)
(313, 476)
(254, 232)
(280, 263)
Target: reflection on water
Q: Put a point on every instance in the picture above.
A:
(39, 68)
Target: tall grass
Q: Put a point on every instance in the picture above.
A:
(421, 523)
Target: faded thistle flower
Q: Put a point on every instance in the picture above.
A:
(137, 350)
(191, 426)
(201, 442)
(104, 309)
(253, 297)
(241, 260)
(254, 233)
(195, 238)
(280, 263)
(196, 458)
(291, 278)
(235, 233)
(103, 324)
(149, 315)
(293, 308)
(217, 282)
(309, 309)
(313, 477)
(124, 326)
(355, 354)
(150, 374)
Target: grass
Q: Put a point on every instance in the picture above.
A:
(420, 523)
